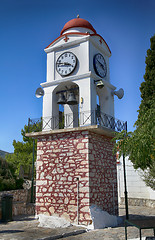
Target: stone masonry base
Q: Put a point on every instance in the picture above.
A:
(75, 170)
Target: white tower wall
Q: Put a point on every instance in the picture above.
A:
(84, 47)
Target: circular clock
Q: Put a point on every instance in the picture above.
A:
(100, 65)
(66, 63)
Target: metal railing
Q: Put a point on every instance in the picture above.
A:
(88, 118)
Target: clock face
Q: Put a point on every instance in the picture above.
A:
(66, 63)
(100, 65)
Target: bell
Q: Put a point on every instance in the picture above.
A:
(100, 84)
(71, 99)
(61, 99)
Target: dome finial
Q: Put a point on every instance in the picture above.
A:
(78, 16)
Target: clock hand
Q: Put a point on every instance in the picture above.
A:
(65, 64)
(101, 64)
(68, 64)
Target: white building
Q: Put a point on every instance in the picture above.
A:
(138, 193)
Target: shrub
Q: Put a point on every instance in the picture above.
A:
(8, 179)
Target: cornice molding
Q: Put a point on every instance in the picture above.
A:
(77, 77)
(66, 79)
(67, 45)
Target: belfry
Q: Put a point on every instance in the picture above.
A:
(75, 165)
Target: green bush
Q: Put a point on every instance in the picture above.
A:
(8, 178)
(19, 183)
(7, 184)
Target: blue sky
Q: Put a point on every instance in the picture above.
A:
(28, 26)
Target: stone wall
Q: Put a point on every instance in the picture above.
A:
(103, 174)
(21, 204)
(75, 165)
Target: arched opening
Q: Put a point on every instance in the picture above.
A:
(66, 97)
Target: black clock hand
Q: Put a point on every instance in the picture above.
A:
(101, 64)
(68, 64)
(65, 64)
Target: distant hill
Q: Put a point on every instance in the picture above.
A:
(3, 153)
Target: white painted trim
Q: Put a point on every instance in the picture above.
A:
(67, 45)
(66, 79)
(99, 47)
(77, 77)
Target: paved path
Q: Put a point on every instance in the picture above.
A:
(26, 228)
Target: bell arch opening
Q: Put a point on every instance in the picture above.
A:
(66, 97)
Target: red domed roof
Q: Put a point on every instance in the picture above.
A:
(77, 22)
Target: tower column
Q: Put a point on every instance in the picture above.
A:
(87, 101)
(50, 110)
(71, 116)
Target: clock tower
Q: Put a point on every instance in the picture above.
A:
(75, 165)
(78, 60)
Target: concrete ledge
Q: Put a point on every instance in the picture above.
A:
(94, 128)
(139, 202)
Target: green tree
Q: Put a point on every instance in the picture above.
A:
(8, 178)
(23, 151)
(140, 144)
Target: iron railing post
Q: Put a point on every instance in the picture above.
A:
(125, 185)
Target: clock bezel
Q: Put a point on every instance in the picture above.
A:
(76, 59)
(95, 68)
